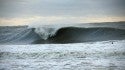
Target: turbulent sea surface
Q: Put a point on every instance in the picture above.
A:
(81, 56)
(74, 47)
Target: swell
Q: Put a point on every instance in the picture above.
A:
(25, 35)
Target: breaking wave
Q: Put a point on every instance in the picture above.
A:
(51, 34)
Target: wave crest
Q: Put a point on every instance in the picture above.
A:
(46, 32)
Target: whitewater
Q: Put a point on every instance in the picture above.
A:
(105, 55)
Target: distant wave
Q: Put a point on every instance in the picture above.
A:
(70, 34)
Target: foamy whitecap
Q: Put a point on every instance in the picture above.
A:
(46, 32)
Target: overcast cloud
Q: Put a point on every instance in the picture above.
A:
(73, 8)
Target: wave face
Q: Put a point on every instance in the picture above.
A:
(78, 35)
(17, 35)
(50, 34)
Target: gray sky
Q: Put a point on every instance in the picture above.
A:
(47, 11)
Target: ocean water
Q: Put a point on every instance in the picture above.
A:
(104, 55)
(63, 47)
(62, 34)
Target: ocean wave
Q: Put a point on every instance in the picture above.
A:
(76, 35)
(58, 34)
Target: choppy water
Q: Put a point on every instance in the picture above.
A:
(106, 55)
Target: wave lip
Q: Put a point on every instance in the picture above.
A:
(45, 32)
